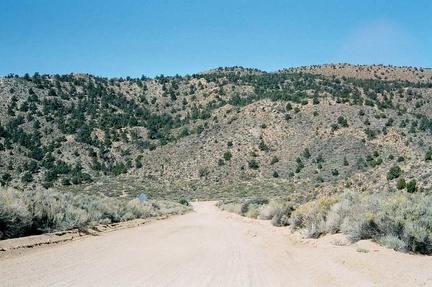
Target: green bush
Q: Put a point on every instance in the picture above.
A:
(428, 155)
(227, 155)
(184, 202)
(262, 146)
(411, 186)
(253, 164)
(345, 161)
(394, 172)
(342, 121)
(274, 160)
(401, 184)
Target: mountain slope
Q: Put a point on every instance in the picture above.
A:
(319, 128)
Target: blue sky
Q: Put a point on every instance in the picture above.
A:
(113, 38)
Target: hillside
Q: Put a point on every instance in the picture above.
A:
(318, 128)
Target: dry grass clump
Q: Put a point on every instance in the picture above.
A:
(401, 221)
(34, 212)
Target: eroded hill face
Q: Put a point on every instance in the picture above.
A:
(318, 128)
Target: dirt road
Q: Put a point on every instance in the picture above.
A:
(212, 248)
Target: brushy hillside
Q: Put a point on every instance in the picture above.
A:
(319, 126)
(299, 139)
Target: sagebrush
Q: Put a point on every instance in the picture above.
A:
(34, 212)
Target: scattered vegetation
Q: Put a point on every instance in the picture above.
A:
(30, 212)
(402, 221)
(223, 134)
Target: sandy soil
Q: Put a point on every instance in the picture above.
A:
(212, 248)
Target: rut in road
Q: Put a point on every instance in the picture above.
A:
(205, 248)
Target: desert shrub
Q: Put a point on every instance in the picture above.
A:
(203, 171)
(394, 172)
(72, 217)
(274, 160)
(402, 221)
(306, 153)
(370, 133)
(342, 121)
(311, 217)
(393, 242)
(428, 155)
(184, 202)
(137, 209)
(227, 155)
(15, 217)
(268, 211)
(253, 164)
(411, 186)
(230, 206)
(345, 161)
(262, 146)
(336, 215)
(282, 214)
(257, 201)
(401, 184)
(34, 212)
(253, 211)
(334, 127)
(167, 208)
